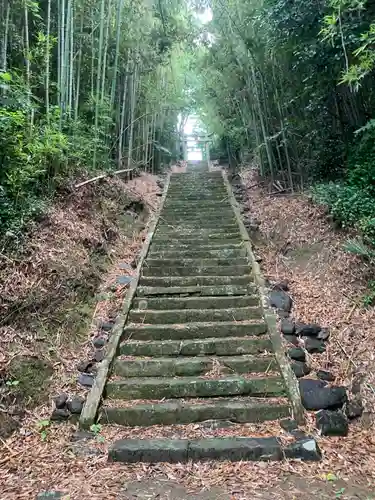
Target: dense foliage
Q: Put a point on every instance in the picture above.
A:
(289, 84)
(108, 84)
(85, 85)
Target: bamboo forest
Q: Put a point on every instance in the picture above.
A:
(89, 85)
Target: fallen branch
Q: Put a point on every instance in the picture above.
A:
(103, 176)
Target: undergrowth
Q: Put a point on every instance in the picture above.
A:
(351, 203)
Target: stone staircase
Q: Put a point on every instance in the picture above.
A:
(195, 347)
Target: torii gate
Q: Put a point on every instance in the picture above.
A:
(200, 143)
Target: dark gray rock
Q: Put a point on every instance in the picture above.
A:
(134, 264)
(332, 423)
(60, 400)
(300, 369)
(84, 366)
(354, 408)
(282, 285)
(280, 300)
(291, 339)
(123, 280)
(297, 353)
(315, 395)
(283, 314)
(287, 327)
(313, 345)
(106, 326)
(86, 379)
(60, 415)
(75, 406)
(99, 355)
(98, 342)
(125, 266)
(307, 330)
(323, 334)
(288, 424)
(305, 448)
(324, 375)
(82, 436)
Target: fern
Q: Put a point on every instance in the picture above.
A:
(357, 247)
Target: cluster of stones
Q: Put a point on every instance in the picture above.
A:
(67, 408)
(334, 410)
(331, 403)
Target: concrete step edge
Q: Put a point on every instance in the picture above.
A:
(219, 346)
(245, 410)
(232, 449)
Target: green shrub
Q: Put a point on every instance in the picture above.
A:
(348, 204)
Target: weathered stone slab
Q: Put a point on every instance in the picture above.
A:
(197, 291)
(231, 270)
(197, 331)
(233, 449)
(190, 315)
(190, 366)
(194, 280)
(192, 387)
(195, 302)
(238, 410)
(196, 347)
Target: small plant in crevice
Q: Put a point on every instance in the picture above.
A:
(96, 429)
(43, 426)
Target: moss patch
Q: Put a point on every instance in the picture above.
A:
(29, 376)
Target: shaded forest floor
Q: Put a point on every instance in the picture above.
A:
(296, 243)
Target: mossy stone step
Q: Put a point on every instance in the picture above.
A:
(196, 291)
(225, 253)
(197, 239)
(193, 387)
(186, 262)
(192, 245)
(239, 410)
(169, 303)
(233, 449)
(195, 280)
(198, 223)
(198, 330)
(229, 346)
(192, 228)
(230, 270)
(194, 211)
(178, 316)
(188, 367)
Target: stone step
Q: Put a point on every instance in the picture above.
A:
(230, 270)
(182, 233)
(194, 211)
(217, 448)
(199, 222)
(239, 410)
(193, 387)
(230, 253)
(229, 346)
(197, 239)
(178, 316)
(188, 246)
(186, 262)
(197, 291)
(195, 280)
(169, 303)
(197, 194)
(196, 330)
(184, 228)
(190, 366)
